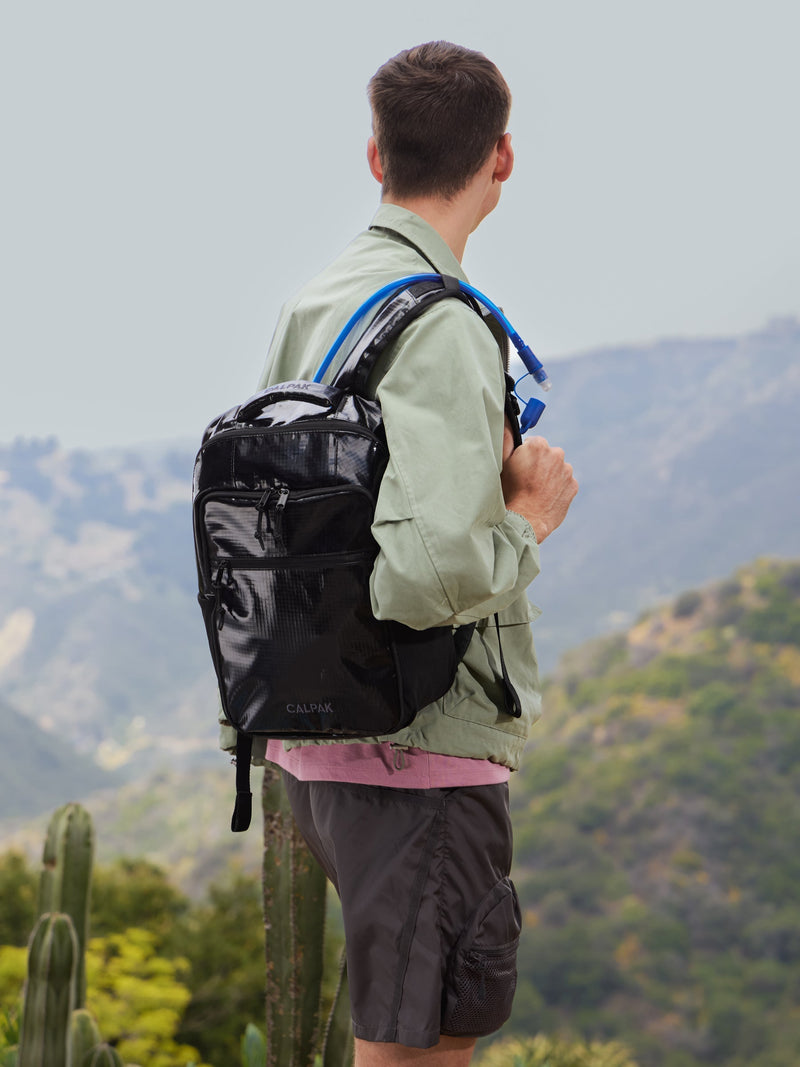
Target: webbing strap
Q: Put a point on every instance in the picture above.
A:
(513, 704)
(243, 810)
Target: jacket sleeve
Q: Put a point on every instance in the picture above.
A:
(449, 551)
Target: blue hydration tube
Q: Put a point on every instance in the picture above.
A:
(532, 364)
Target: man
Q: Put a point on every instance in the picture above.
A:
(413, 829)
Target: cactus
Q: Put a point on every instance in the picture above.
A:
(102, 1056)
(294, 919)
(83, 1037)
(254, 1047)
(338, 1047)
(66, 878)
(49, 992)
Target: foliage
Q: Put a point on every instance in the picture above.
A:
(135, 893)
(18, 889)
(138, 998)
(222, 940)
(9, 1034)
(652, 818)
(543, 1051)
(13, 965)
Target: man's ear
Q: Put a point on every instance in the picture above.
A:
(374, 160)
(505, 159)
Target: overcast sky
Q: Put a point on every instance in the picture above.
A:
(172, 170)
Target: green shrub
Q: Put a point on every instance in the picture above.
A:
(541, 1051)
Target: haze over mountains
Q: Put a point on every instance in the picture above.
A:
(688, 459)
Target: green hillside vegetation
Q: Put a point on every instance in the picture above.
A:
(201, 963)
(658, 823)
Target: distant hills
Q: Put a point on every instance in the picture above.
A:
(657, 821)
(37, 770)
(688, 459)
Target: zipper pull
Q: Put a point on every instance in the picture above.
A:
(261, 508)
(280, 507)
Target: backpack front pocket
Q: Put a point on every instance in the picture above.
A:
(297, 649)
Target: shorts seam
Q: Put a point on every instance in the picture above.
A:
(409, 929)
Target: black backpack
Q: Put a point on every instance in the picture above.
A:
(284, 494)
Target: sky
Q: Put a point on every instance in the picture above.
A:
(173, 170)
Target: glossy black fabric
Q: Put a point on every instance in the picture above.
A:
(284, 495)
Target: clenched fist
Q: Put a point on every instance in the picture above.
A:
(538, 483)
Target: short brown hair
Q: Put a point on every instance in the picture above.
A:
(437, 110)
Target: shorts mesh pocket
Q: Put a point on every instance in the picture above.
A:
(482, 970)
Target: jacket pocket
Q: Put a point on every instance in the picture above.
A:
(482, 969)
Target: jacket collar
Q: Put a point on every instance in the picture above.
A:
(417, 232)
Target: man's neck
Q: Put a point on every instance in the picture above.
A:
(454, 220)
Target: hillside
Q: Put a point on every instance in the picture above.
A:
(658, 816)
(100, 636)
(688, 454)
(178, 819)
(61, 770)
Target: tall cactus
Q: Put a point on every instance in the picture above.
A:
(83, 1037)
(338, 1045)
(294, 919)
(103, 1056)
(65, 882)
(49, 992)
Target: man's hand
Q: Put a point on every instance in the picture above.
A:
(537, 483)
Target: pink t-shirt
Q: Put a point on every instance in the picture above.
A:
(383, 764)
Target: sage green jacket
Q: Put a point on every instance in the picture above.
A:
(449, 551)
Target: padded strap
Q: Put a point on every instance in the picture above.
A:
(390, 320)
(243, 810)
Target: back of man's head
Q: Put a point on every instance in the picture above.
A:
(437, 111)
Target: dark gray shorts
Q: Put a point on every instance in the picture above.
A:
(431, 917)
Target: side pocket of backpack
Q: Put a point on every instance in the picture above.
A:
(481, 973)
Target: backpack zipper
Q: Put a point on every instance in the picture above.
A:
(272, 563)
(260, 499)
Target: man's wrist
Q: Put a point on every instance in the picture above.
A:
(527, 521)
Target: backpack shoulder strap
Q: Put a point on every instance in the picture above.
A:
(401, 309)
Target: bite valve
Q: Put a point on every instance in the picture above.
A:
(531, 415)
(534, 367)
